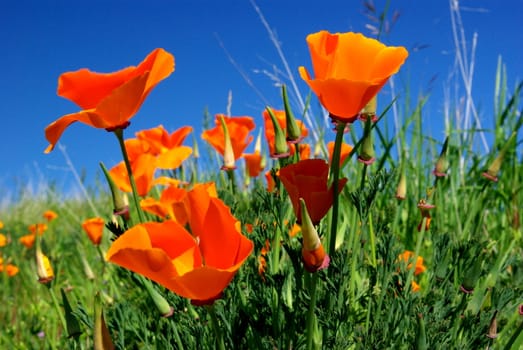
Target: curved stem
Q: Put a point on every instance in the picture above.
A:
(136, 197)
(335, 175)
(57, 307)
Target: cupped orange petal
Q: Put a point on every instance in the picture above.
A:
(87, 89)
(94, 228)
(109, 100)
(159, 139)
(225, 248)
(173, 158)
(253, 163)
(308, 179)
(349, 69)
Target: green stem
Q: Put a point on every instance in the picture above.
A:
(372, 240)
(57, 307)
(311, 317)
(216, 327)
(177, 339)
(136, 197)
(363, 176)
(232, 181)
(335, 175)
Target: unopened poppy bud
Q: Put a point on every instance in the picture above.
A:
(424, 208)
(281, 148)
(442, 164)
(313, 253)
(369, 111)
(102, 337)
(195, 149)
(421, 335)
(228, 151)
(401, 190)
(120, 204)
(73, 326)
(493, 327)
(87, 268)
(293, 131)
(161, 304)
(44, 270)
(520, 309)
(495, 166)
(366, 154)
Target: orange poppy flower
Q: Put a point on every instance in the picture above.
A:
(307, 179)
(271, 184)
(94, 228)
(143, 169)
(37, 228)
(10, 269)
(238, 129)
(270, 134)
(196, 266)
(167, 147)
(169, 206)
(349, 70)
(408, 256)
(109, 100)
(28, 240)
(253, 162)
(3, 240)
(50, 215)
(345, 151)
(160, 140)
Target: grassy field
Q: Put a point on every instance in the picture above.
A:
(424, 243)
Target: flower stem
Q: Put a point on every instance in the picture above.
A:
(335, 175)
(216, 327)
(57, 307)
(311, 317)
(232, 181)
(136, 197)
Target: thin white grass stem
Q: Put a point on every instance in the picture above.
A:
(71, 166)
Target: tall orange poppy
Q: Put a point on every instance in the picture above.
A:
(196, 266)
(308, 179)
(349, 70)
(109, 100)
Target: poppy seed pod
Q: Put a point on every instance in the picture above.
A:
(281, 149)
(442, 164)
(294, 134)
(495, 166)
(313, 254)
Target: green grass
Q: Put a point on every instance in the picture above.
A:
(364, 299)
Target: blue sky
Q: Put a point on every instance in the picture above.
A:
(42, 39)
